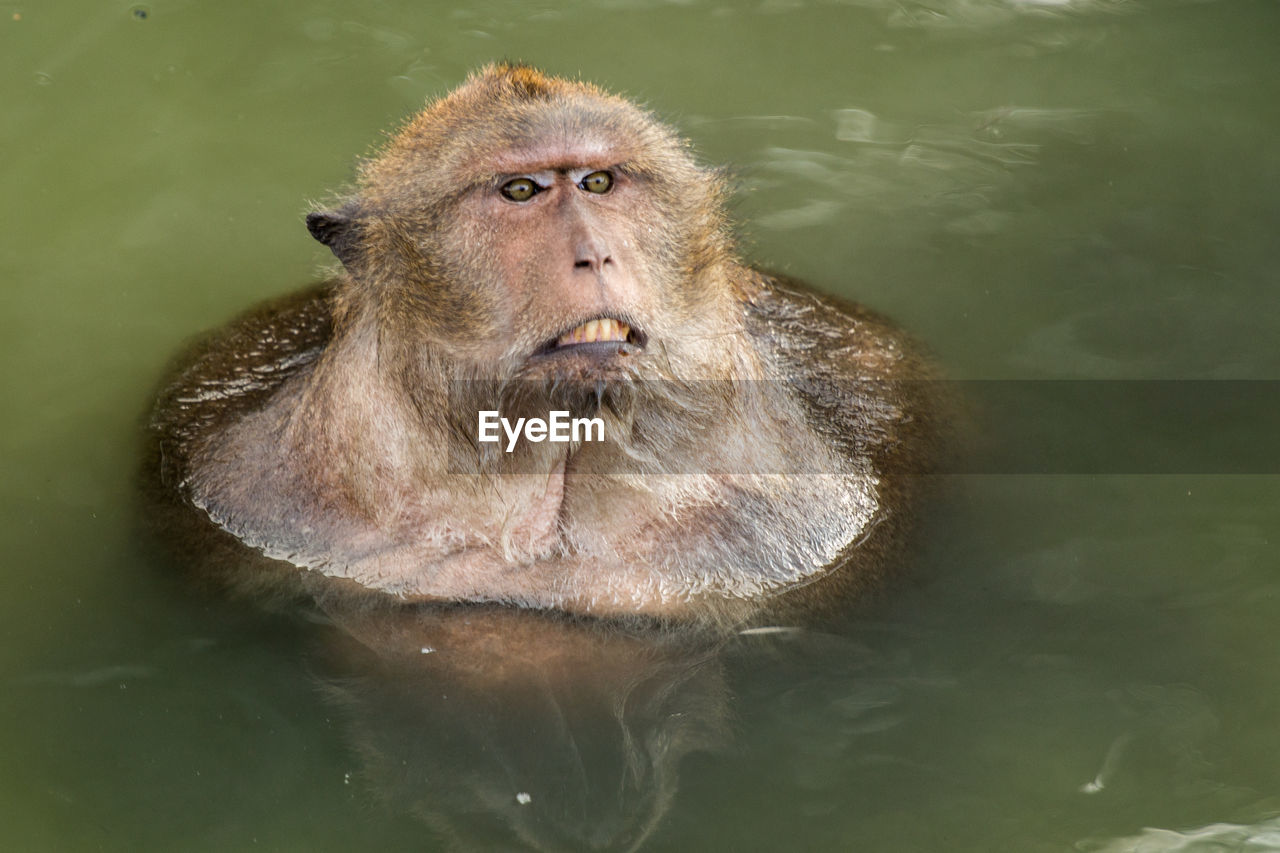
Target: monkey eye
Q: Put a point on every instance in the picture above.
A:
(597, 182)
(520, 189)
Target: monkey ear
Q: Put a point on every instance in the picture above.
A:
(338, 229)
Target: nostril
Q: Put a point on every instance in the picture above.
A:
(582, 265)
(607, 260)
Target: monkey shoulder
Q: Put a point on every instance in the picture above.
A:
(868, 392)
(235, 370)
(865, 385)
(824, 336)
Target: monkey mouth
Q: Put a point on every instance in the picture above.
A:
(601, 336)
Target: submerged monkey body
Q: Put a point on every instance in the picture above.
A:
(751, 427)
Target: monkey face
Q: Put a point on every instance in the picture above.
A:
(531, 227)
(555, 241)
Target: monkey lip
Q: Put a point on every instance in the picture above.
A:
(601, 336)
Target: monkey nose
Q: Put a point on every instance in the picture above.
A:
(591, 256)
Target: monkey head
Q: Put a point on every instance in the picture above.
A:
(527, 226)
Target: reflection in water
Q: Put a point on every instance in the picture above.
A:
(509, 729)
(958, 169)
(1256, 838)
(960, 15)
(983, 14)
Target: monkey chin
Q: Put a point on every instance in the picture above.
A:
(582, 378)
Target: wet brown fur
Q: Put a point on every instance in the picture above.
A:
(325, 429)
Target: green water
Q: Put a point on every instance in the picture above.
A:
(1051, 189)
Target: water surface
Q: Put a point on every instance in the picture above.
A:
(1076, 189)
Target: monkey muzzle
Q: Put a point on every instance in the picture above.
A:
(598, 338)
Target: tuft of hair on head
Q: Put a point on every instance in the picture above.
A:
(527, 82)
(523, 80)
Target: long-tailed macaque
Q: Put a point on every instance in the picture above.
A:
(524, 246)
